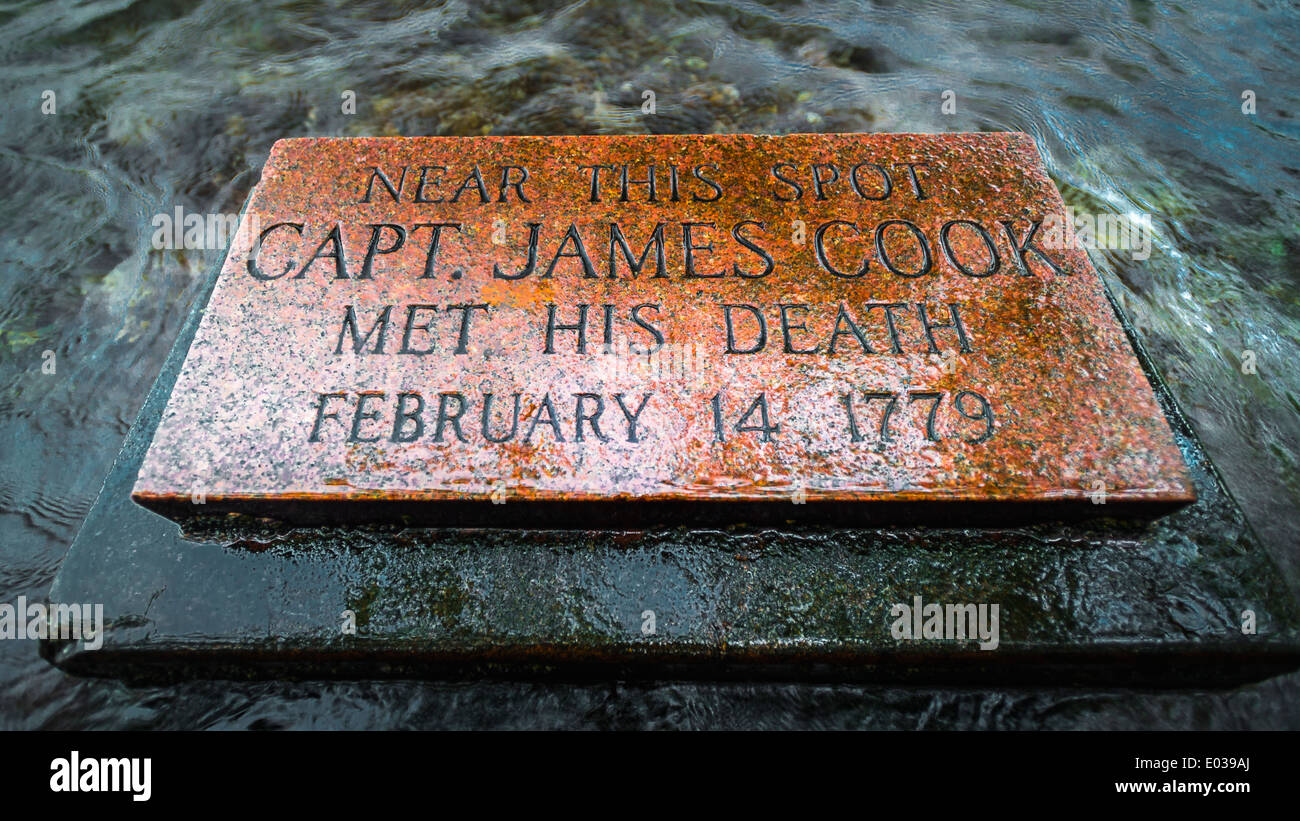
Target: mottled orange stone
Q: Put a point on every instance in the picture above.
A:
(1043, 399)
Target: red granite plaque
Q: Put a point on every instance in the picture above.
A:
(858, 318)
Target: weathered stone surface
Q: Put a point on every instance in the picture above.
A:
(1120, 601)
(285, 402)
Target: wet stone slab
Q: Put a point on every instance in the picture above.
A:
(1122, 597)
(410, 329)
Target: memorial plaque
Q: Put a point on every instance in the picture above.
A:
(727, 318)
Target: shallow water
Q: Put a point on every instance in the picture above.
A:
(1136, 107)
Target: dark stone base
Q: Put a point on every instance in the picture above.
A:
(1114, 600)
